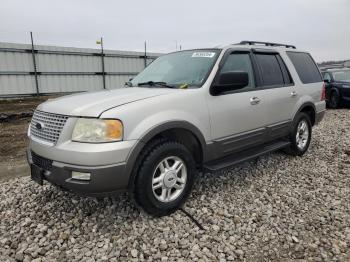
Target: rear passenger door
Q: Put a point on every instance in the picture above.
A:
(278, 97)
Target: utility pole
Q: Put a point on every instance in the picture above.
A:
(145, 54)
(34, 65)
(103, 62)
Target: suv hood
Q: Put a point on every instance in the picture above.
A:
(93, 104)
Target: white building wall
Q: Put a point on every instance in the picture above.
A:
(65, 69)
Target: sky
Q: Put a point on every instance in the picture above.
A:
(319, 26)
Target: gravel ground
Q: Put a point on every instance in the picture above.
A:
(274, 208)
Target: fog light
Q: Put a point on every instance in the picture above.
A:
(81, 176)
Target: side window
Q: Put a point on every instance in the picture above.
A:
(286, 75)
(305, 67)
(239, 62)
(327, 76)
(270, 69)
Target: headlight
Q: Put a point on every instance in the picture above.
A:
(93, 130)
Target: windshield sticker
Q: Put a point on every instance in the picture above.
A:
(203, 54)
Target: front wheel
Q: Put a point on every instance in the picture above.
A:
(300, 135)
(165, 177)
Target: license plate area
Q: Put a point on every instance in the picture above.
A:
(36, 173)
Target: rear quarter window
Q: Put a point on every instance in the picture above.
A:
(305, 67)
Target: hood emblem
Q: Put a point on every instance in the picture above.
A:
(39, 126)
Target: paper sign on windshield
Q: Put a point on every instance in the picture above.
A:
(203, 54)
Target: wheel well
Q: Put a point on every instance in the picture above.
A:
(310, 111)
(185, 137)
(334, 90)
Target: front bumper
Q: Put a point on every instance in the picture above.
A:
(105, 180)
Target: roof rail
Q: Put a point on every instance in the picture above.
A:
(264, 43)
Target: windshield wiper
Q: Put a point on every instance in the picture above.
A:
(155, 83)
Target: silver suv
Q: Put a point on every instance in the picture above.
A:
(188, 111)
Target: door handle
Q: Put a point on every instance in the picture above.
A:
(293, 94)
(254, 100)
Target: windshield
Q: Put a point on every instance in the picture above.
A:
(184, 68)
(342, 75)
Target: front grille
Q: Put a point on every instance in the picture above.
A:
(51, 126)
(41, 161)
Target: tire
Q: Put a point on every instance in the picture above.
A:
(300, 140)
(334, 100)
(159, 170)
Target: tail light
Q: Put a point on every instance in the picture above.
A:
(323, 94)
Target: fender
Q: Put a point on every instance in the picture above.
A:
(174, 124)
(304, 105)
(133, 155)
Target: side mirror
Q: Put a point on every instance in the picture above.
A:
(230, 81)
(326, 81)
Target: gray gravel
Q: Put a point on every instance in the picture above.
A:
(274, 208)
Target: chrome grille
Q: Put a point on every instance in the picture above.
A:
(51, 126)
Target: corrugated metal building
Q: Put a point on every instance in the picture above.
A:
(65, 69)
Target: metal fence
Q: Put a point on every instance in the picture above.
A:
(30, 70)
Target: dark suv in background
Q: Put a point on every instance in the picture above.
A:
(337, 82)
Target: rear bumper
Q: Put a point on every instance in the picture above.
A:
(319, 116)
(105, 180)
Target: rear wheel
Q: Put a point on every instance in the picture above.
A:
(334, 100)
(164, 178)
(300, 135)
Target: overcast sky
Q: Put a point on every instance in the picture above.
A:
(319, 26)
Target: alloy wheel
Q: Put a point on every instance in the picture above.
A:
(169, 179)
(302, 135)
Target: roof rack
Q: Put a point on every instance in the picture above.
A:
(264, 43)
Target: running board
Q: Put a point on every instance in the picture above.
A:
(242, 156)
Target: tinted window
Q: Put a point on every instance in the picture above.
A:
(239, 62)
(271, 72)
(305, 67)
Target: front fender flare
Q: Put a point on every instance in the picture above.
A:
(135, 152)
